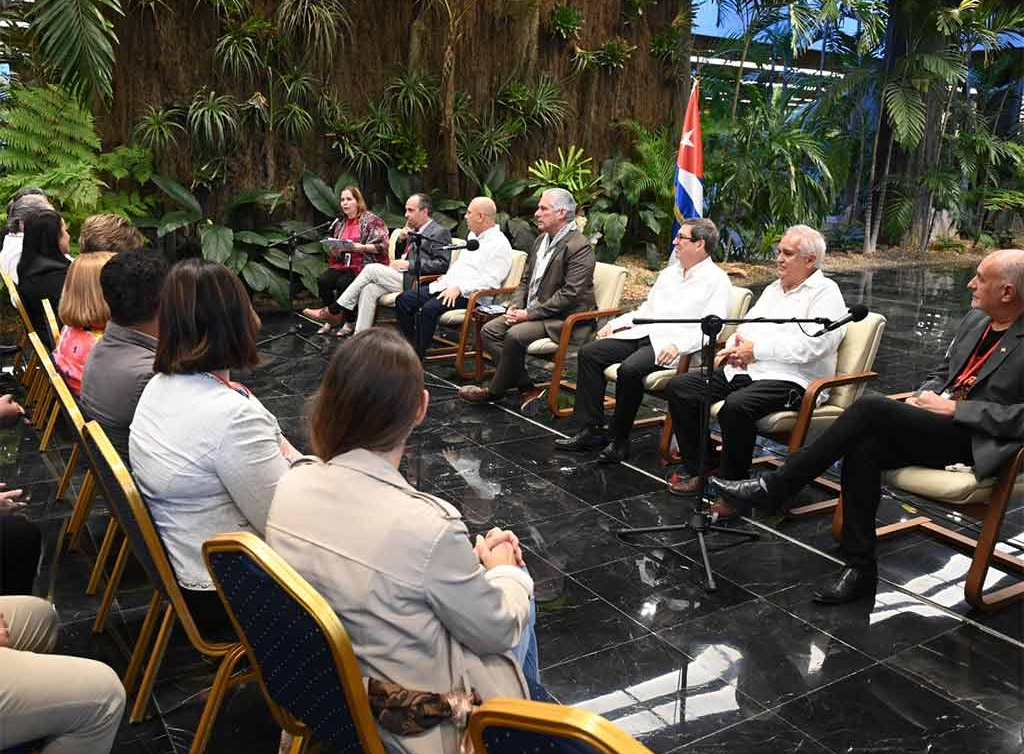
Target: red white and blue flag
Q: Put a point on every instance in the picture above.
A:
(689, 166)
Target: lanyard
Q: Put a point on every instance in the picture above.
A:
(238, 387)
(966, 379)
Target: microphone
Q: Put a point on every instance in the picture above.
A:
(470, 245)
(857, 313)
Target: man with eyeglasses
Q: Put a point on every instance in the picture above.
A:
(763, 367)
(694, 288)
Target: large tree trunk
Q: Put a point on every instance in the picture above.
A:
(681, 73)
(449, 157)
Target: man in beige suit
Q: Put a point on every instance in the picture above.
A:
(558, 281)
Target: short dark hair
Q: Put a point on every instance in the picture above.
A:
(425, 202)
(369, 396)
(702, 229)
(206, 320)
(131, 284)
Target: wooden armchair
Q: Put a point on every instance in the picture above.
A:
(388, 299)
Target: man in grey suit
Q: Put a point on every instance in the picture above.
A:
(558, 281)
(970, 411)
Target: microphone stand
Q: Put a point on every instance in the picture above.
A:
(701, 517)
(295, 329)
(417, 322)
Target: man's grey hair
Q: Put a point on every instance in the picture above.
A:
(562, 199)
(1010, 264)
(24, 207)
(811, 243)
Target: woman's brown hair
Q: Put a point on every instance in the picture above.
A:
(358, 196)
(81, 303)
(109, 233)
(206, 321)
(369, 396)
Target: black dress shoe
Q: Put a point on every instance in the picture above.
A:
(587, 438)
(616, 451)
(852, 584)
(749, 492)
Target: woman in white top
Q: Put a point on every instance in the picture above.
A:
(424, 606)
(205, 453)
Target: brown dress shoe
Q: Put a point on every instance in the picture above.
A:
(683, 486)
(475, 394)
(323, 314)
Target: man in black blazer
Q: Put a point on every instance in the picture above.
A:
(970, 411)
(558, 281)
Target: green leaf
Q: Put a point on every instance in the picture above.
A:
(248, 236)
(401, 184)
(172, 221)
(277, 258)
(345, 179)
(277, 287)
(237, 260)
(906, 113)
(651, 221)
(615, 231)
(179, 193)
(218, 242)
(256, 275)
(320, 195)
(262, 198)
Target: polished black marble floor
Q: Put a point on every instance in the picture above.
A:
(630, 632)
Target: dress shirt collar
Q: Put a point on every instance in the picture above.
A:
(423, 227)
(483, 234)
(370, 463)
(815, 280)
(701, 266)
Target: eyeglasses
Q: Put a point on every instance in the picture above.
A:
(681, 237)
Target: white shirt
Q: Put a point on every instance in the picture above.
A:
(11, 254)
(785, 352)
(678, 294)
(487, 267)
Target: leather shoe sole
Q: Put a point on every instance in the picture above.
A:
(852, 584)
(475, 394)
(580, 442)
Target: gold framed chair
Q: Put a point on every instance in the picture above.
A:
(304, 660)
(21, 361)
(51, 321)
(462, 319)
(514, 726)
(609, 285)
(122, 495)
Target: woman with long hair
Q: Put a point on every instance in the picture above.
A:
(423, 606)
(365, 238)
(84, 313)
(206, 454)
(43, 265)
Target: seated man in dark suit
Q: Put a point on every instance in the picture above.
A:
(969, 411)
(558, 281)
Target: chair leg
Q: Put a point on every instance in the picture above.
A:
(100, 623)
(80, 510)
(300, 743)
(145, 633)
(985, 547)
(69, 469)
(41, 411)
(213, 702)
(101, 557)
(665, 444)
(51, 425)
(156, 658)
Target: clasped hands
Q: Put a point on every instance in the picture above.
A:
(499, 547)
(739, 355)
(932, 401)
(515, 316)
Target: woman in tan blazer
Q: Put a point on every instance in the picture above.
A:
(423, 606)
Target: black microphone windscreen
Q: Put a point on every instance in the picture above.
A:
(858, 312)
(472, 244)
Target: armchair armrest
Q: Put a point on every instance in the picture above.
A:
(477, 295)
(574, 319)
(810, 402)
(901, 396)
(428, 278)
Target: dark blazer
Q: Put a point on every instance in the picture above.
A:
(567, 286)
(434, 261)
(994, 409)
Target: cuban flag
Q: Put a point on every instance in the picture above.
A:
(689, 167)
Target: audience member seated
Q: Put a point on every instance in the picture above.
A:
(423, 607)
(419, 309)
(121, 363)
(43, 265)
(84, 315)
(22, 202)
(73, 705)
(111, 233)
(763, 367)
(366, 238)
(558, 281)
(21, 541)
(694, 288)
(377, 279)
(969, 411)
(205, 453)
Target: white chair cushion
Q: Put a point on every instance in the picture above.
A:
(542, 347)
(784, 421)
(951, 487)
(388, 299)
(655, 381)
(454, 317)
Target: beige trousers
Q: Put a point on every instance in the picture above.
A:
(73, 704)
(373, 282)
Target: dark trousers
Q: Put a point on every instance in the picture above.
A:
(421, 333)
(874, 434)
(746, 401)
(331, 284)
(636, 361)
(209, 614)
(507, 345)
(21, 544)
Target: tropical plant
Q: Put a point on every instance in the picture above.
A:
(48, 139)
(313, 26)
(665, 44)
(212, 120)
(77, 40)
(565, 21)
(157, 126)
(614, 53)
(572, 172)
(633, 10)
(543, 105)
(413, 93)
